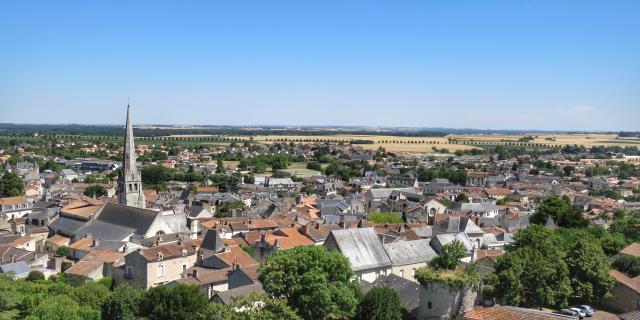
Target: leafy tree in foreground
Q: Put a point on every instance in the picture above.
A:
(380, 303)
(122, 304)
(533, 273)
(317, 283)
(62, 307)
(589, 271)
(181, 302)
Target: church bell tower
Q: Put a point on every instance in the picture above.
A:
(130, 182)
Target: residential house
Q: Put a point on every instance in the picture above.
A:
(408, 256)
(363, 250)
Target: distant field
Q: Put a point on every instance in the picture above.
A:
(587, 140)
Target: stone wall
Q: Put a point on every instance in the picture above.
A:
(440, 301)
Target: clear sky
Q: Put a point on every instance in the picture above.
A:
(511, 64)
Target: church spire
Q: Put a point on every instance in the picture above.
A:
(129, 161)
(130, 184)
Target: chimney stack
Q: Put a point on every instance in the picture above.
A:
(195, 273)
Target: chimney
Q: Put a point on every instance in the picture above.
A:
(195, 273)
(95, 242)
(13, 258)
(235, 265)
(263, 236)
(158, 241)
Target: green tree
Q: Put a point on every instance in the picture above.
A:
(35, 275)
(317, 283)
(534, 256)
(450, 255)
(219, 166)
(262, 307)
(380, 303)
(385, 217)
(589, 271)
(179, 303)
(122, 304)
(90, 294)
(628, 265)
(62, 307)
(561, 211)
(11, 185)
(155, 174)
(95, 191)
(62, 251)
(628, 226)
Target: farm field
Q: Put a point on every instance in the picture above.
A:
(587, 140)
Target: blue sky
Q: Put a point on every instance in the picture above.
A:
(516, 64)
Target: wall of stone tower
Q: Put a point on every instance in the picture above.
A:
(440, 301)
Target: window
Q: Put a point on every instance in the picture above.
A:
(429, 305)
(130, 187)
(402, 273)
(128, 272)
(160, 270)
(135, 186)
(184, 268)
(413, 272)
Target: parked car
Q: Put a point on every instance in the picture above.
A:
(588, 311)
(581, 313)
(569, 312)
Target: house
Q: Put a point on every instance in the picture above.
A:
(408, 256)
(439, 241)
(376, 199)
(148, 267)
(227, 297)
(498, 193)
(625, 295)
(68, 174)
(14, 207)
(363, 250)
(478, 209)
(403, 181)
(281, 184)
(456, 225)
(95, 265)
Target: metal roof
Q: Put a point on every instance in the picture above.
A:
(362, 247)
(409, 252)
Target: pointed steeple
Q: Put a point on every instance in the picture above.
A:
(129, 161)
(130, 183)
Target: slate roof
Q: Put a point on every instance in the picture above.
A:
(104, 230)
(66, 225)
(633, 315)
(402, 253)
(455, 224)
(212, 241)
(408, 291)
(129, 217)
(386, 193)
(362, 247)
(227, 296)
(443, 239)
(18, 268)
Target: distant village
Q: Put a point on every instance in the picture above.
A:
(210, 215)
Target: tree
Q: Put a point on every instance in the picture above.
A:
(35, 275)
(122, 304)
(628, 226)
(589, 271)
(385, 217)
(561, 211)
(262, 307)
(448, 258)
(11, 185)
(315, 282)
(380, 303)
(155, 174)
(462, 198)
(628, 265)
(62, 251)
(180, 302)
(62, 307)
(95, 191)
(219, 166)
(534, 256)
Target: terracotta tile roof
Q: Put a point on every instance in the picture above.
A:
(288, 238)
(509, 313)
(83, 207)
(236, 255)
(93, 261)
(82, 244)
(632, 283)
(262, 224)
(59, 240)
(21, 241)
(13, 200)
(632, 249)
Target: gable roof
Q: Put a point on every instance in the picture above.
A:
(362, 247)
(135, 218)
(409, 252)
(212, 241)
